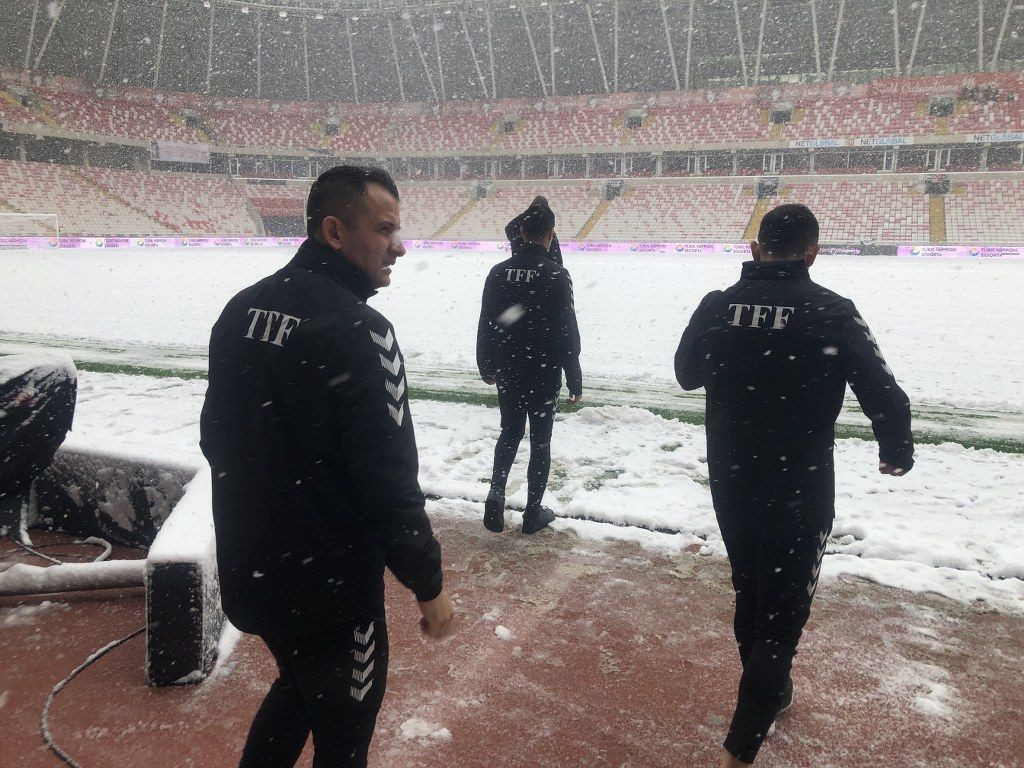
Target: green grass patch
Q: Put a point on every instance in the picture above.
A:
(685, 416)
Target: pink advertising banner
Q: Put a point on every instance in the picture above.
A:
(724, 249)
(961, 251)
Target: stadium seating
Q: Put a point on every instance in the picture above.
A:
(860, 117)
(573, 205)
(986, 212)
(44, 188)
(290, 129)
(426, 208)
(86, 113)
(677, 212)
(187, 204)
(278, 199)
(889, 211)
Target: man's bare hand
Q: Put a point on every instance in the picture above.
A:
(889, 469)
(437, 615)
(573, 399)
(491, 381)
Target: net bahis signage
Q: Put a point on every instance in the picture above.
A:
(179, 152)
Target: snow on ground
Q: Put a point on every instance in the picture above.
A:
(942, 324)
(954, 526)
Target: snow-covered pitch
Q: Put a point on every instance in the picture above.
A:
(954, 525)
(947, 327)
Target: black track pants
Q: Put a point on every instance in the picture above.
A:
(534, 400)
(774, 573)
(330, 685)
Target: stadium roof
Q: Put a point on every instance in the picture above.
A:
(438, 50)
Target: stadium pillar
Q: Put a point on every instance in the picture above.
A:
(106, 44)
(22, 151)
(472, 52)
(671, 50)
(896, 34)
(597, 47)
(735, 163)
(259, 54)
(817, 39)
(49, 34)
(437, 51)
(811, 158)
(32, 33)
(398, 65)
(835, 40)
(352, 59)
(490, 51)
(160, 47)
(423, 59)
(209, 48)
(689, 45)
(587, 166)
(615, 69)
(917, 35)
(533, 50)
(305, 53)
(999, 40)
(760, 42)
(658, 166)
(551, 43)
(739, 40)
(981, 35)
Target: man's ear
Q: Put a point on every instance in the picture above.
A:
(755, 250)
(332, 229)
(811, 254)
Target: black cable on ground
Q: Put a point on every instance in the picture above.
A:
(44, 726)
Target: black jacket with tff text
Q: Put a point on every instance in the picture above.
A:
(307, 430)
(774, 353)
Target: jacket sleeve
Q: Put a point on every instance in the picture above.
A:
(689, 361)
(568, 342)
(377, 448)
(875, 387)
(487, 334)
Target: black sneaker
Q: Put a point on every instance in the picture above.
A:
(494, 511)
(787, 697)
(537, 519)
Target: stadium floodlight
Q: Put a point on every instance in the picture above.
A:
(29, 225)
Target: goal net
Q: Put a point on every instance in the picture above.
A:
(29, 225)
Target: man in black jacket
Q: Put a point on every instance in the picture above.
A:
(307, 430)
(774, 354)
(526, 336)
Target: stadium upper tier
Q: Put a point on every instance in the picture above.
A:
(907, 108)
(978, 209)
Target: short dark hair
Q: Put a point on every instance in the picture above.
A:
(787, 231)
(339, 192)
(538, 222)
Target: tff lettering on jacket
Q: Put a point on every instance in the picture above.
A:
(276, 324)
(513, 275)
(758, 315)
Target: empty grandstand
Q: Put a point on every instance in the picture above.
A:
(645, 120)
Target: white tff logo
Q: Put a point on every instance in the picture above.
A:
(758, 315)
(285, 324)
(513, 275)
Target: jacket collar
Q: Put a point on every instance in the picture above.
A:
(531, 252)
(324, 260)
(775, 270)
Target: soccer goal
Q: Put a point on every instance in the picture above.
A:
(29, 225)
